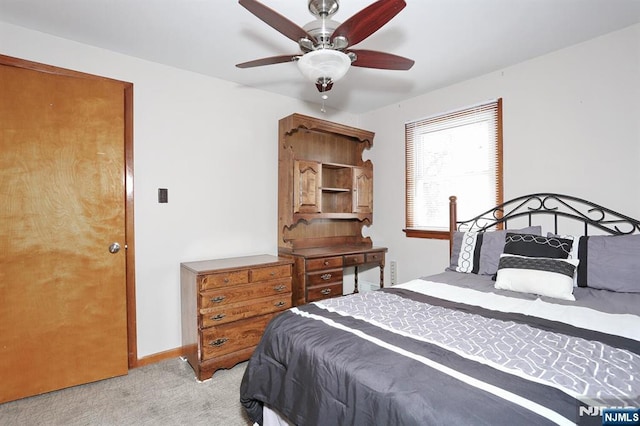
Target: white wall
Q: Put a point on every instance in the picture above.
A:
(212, 143)
(571, 125)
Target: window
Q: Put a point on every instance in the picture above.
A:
(458, 153)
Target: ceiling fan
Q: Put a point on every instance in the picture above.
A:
(326, 44)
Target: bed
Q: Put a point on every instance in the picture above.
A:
(536, 320)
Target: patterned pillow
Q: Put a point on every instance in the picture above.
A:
(479, 252)
(573, 254)
(465, 254)
(543, 276)
(537, 246)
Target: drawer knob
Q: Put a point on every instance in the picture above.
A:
(218, 342)
(326, 262)
(325, 291)
(218, 317)
(280, 287)
(279, 304)
(325, 276)
(273, 273)
(226, 280)
(217, 299)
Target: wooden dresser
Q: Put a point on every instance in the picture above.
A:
(226, 305)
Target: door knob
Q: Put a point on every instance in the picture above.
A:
(114, 248)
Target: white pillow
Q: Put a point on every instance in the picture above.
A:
(537, 275)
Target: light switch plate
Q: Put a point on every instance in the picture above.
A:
(163, 195)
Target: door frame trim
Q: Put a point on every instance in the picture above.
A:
(132, 339)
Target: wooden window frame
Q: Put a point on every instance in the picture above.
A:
(414, 232)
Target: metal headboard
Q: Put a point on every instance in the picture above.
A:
(557, 205)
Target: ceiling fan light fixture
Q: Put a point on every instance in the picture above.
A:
(324, 65)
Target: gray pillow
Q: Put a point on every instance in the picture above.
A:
(479, 253)
(612, 262)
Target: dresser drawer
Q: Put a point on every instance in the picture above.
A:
(271, 273)
(324, 292)
(238, 311)
(324, 277)
(226, 296)
(223, 279)
(228, 338)
(353, 259)
(324, 263)
(374, 257)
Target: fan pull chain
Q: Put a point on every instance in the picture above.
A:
(324, 97)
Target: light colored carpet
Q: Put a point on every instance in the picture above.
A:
(165, 393)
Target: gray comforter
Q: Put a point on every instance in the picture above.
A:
(397, 357)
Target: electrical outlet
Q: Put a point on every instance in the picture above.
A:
(394, 272)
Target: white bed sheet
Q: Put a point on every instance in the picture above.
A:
(624, 325)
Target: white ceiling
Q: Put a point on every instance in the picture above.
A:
(450, 40)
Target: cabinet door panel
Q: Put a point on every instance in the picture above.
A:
(307, 179)
(362, 190)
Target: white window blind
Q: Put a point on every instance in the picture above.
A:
(457, 153)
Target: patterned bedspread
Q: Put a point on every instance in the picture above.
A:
(402, 356)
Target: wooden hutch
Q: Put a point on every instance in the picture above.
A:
(325, 197)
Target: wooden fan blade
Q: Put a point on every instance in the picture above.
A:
(267, 61)
(381, 60)
(368, 20)
(276, 21)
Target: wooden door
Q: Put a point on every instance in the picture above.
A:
(63, 312)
